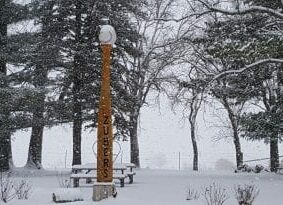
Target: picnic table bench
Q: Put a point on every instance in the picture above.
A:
(88, 172)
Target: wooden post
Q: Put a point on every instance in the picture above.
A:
(104, 132)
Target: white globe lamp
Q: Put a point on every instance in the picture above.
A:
(107, 35)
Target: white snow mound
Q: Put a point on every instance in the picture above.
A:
(67, 195)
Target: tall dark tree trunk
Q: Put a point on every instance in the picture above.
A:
(271, 107)
(35, 147)
(77, 86)
(237, 144)
(134, 144)
(194, 143)
(236, 138)
(195, 104)
(77, 125)
(5, 132)
(274, 154)
(77, 112)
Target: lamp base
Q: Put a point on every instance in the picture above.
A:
(103, 190)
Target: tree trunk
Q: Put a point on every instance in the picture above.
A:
(35, 146)
(77, 135)
(77, 115)
(236, 138)
(5, 143)
(274, 154)
(239, 154)
(194, 143)
(5, 132)
(134, 148)
(77, 86)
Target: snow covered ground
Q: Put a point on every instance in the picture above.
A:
(160, 187)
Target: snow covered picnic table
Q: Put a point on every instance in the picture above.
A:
(88, 172)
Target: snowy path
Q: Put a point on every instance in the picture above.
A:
(160, 187)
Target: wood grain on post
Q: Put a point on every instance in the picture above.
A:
(104, 132)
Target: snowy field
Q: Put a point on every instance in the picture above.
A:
(160, 187)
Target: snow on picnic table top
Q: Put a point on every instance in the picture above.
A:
(93, 166)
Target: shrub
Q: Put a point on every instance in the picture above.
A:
(7, 191)
(214, 195)
(192, 194)
(22, 189)
(246, 194)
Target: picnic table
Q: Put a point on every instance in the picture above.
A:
(88, 172)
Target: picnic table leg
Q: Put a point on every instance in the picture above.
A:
(131, 179)
(122, 182)
(88, 180)
(76, 182)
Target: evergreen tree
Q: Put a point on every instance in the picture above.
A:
(44, 59)
(9, 13)
(5, 133)
(80, 91)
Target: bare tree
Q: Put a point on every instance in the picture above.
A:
(234, 109)
(159, 47)
(271, 88)
(216, 70)
(190, 95)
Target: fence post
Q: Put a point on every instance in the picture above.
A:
(122, 157)
(179, 160)
(66, 153)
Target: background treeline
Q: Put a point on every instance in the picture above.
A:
(50, 73)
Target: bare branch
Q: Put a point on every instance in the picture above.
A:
(239, 11)
(260, 62)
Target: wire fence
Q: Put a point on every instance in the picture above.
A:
(159, 160)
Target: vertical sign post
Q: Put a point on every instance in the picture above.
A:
(104, 133)
(104, 186)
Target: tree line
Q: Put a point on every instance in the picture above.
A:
(236, 58)
(50, 75)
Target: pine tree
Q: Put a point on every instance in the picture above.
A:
(80, 91)
(44, 59)
(9, 13)
(5, 135)
(267, 83)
